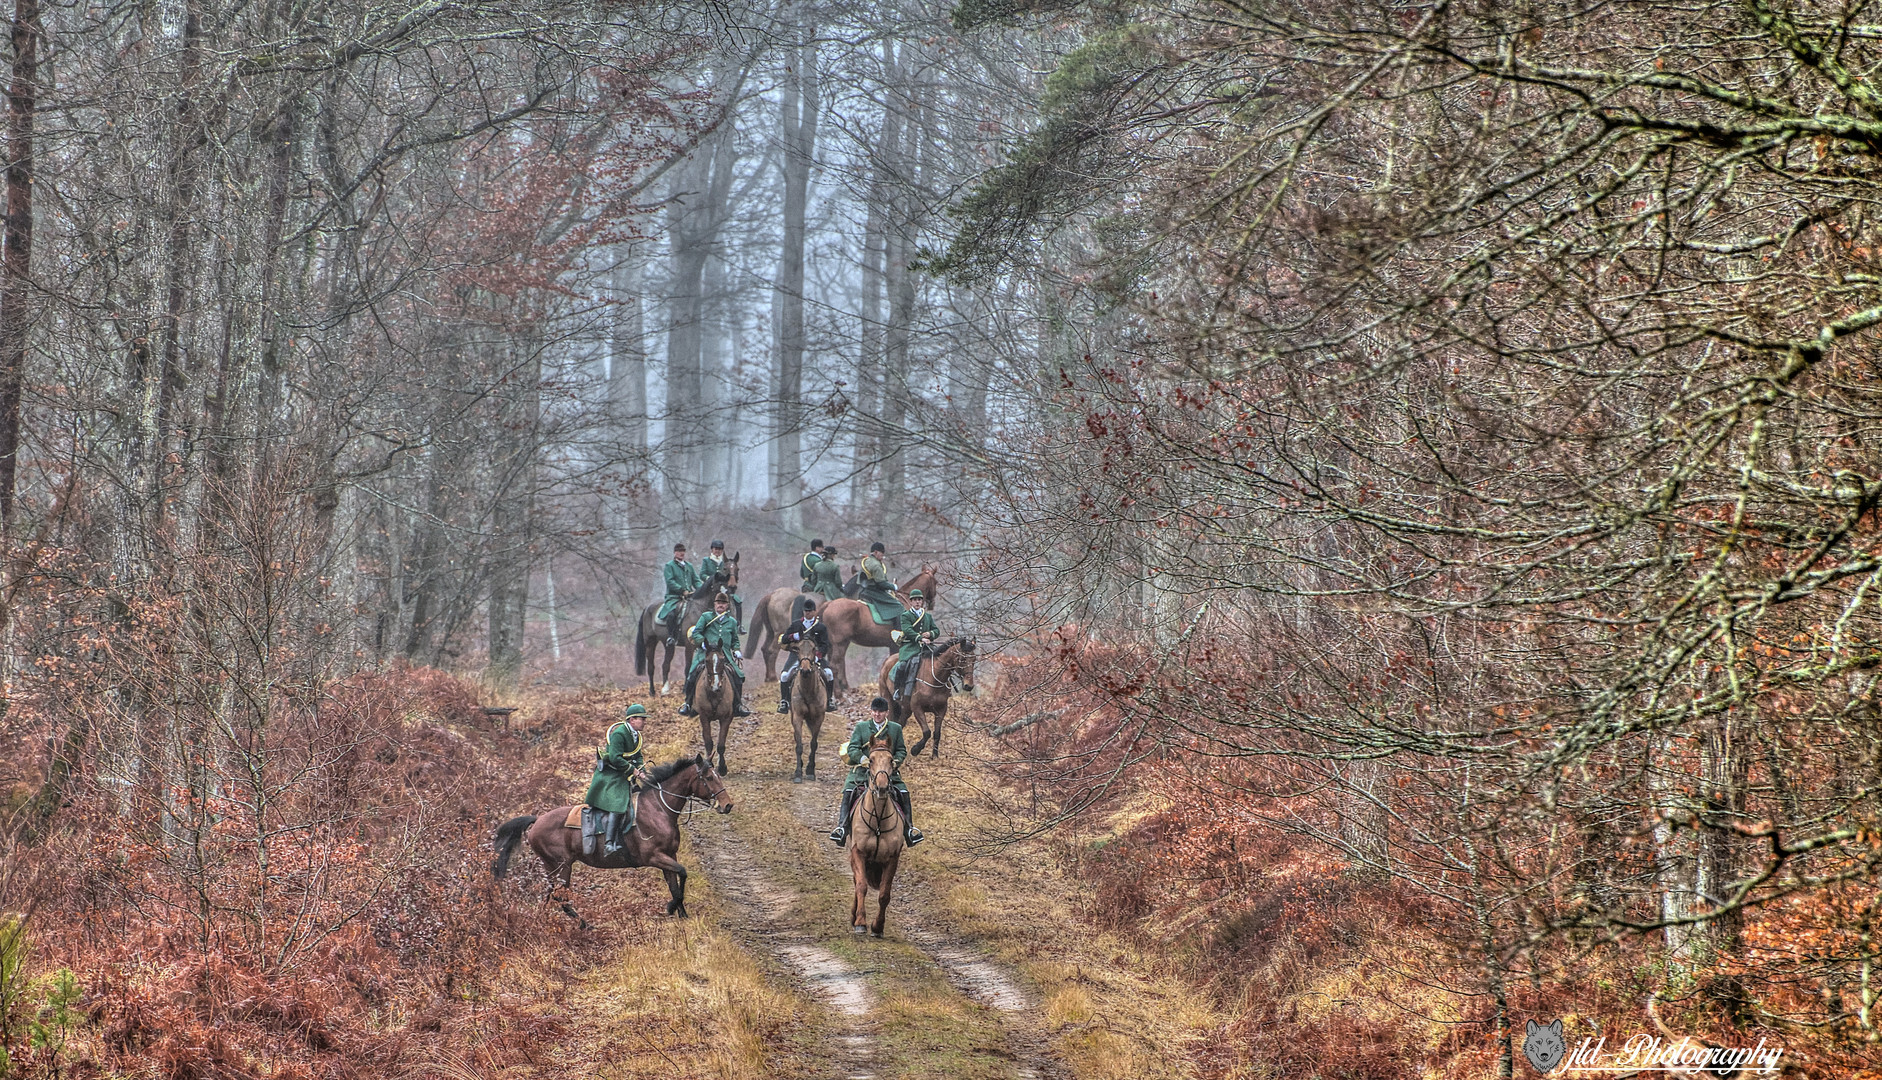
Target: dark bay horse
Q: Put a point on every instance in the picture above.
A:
(849, 622)
(875, 840)
(808, 706)
(942, 667)
(713, 699)
(654, 840)
(652, 634)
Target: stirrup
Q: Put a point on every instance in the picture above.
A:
(686, 709)
(912, 836)
(784, 706)
(739, 709)
(672, 641)
(838, 835)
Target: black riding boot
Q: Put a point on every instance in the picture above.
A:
(910, 834)
(673, 627)
(692, 681)
(784, 691)
(898, 680)
(611, 836)
(842, 830)
(738, 698)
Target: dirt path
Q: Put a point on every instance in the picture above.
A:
(919, 1003)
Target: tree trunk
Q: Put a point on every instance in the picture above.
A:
(798, 133)
(16, 254)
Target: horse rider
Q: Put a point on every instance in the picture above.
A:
(682, 580)
(857, 755)
(827, 577)
(877, 587)
(619, 774)
(709, 568)
(917, 630)
(807, 569)
(810, 626)
(717, 627)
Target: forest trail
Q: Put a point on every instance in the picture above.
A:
(985, 972)
(791, 888)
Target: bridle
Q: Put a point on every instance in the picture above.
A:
(954, 683)
(686, 808)
(884, 792)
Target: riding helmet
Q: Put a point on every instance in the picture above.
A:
(880, 704)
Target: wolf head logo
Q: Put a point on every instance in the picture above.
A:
(1543, 1045)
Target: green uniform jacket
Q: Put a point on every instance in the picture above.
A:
(856, 754)
(879, 592)
(827, 578)
(709, 567)
(808, 568)
(916, 626)
(682, 578)
(715, 629)
(612, 789)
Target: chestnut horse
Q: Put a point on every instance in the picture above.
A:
(875, 839)
(849, 622)
(652, 634)
(713, 698)
(808, 706)
(654, 840)
(941, 667)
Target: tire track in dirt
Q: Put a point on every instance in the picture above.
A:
(764, 920)
(813, 805)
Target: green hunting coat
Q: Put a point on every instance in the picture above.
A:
(709, 568)
(879, 592)
(612, 789)
(827, 578)
(856, 754)
(716, 629)
(682, 579)
(807, 569)
(916, 627)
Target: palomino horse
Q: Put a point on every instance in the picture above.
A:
(808, 705)
(875, 839)
(849, 622)
(939, 669)
(652, 634)
(713, 699)
(654, 840)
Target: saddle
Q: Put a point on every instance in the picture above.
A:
(576, 813)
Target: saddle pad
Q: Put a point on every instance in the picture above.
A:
(575, 816)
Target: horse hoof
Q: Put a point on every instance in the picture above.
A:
(798, 779)
(875, 933)
(859, 929)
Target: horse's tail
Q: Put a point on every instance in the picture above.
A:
(640, 646)
(509, 834)
(760, 628)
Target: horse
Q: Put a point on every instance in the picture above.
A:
(938, 668)
(652, 633)
(849, 621)
(714, 698)
(875, 839)
(653, 841)
(808, 705)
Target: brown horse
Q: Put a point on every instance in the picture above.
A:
(875, 839)
(941, 667)
(713, 699)
(652, 634)
(654, 840)
(808, 705)
(849, 622)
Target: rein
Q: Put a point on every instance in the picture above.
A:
(686, 808)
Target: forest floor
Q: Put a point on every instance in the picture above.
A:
(986, 970)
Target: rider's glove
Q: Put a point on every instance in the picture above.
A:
(737, 655)
(895, 635)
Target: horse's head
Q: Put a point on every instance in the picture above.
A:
(881, 765)
(707, 786)
(731, 571)
(966, 668)
(806, 648)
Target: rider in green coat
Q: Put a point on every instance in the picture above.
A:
(716, 627)
(709, 568)
(826, 577)
(878, 590)
(682, 580)
(857, 755)
(619, 772)
(807, 567)
(917, 630)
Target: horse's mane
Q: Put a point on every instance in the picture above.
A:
(942, 647)
(665, 772)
